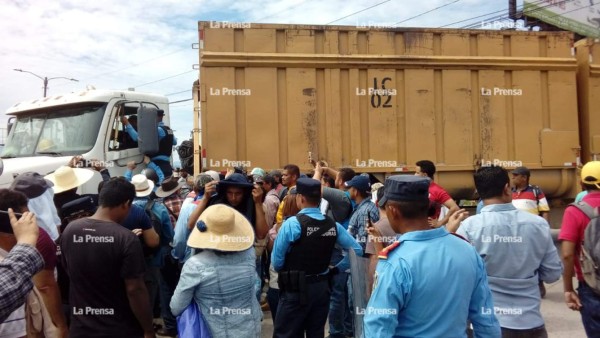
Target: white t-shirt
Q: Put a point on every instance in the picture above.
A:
(14, 326)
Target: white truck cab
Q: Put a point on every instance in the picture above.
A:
(45, 134)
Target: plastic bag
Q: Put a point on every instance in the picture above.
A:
(191, 323)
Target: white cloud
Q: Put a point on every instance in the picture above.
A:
(117, 44)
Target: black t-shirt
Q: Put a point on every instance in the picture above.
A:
(98, 257)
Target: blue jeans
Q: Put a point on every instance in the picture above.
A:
(165, 309)
(340, 316)
(259, 281)
(590, 311)
(273, 300)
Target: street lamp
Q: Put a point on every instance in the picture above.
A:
(45, 79)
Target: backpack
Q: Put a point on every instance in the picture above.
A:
(76, 209)
(156, 224)
(186, 155)
(37, 318)
(590, 250)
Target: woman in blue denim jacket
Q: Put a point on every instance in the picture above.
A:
(221, 276)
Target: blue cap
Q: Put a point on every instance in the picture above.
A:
(405, 188)
(360, 182)
(308, 187)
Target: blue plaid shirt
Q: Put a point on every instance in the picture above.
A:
(16, 270)
(357, 226)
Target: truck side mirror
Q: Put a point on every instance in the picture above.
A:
(147, 130)
(10, 124)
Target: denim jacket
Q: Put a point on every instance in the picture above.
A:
(223, 285)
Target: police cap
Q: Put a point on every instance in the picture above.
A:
(308, 187)
(405, 188)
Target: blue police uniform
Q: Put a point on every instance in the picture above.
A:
(301, 255)
(428, 283)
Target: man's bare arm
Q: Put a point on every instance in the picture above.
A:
(567, 249)
(450, 204)
(140, 304)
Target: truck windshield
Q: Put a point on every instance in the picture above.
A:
(55, 131)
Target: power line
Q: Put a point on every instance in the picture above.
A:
(183, 91)
(362, 10)
(482, 15)
(282, 11)
(164, 78)
(180, 101)
(502, 16)
(429, 11)
(132, 66)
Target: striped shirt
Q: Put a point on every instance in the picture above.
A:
(527, 200)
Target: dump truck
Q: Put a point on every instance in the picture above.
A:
(379, 100)
(46, 133)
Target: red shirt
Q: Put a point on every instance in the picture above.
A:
(574, 224)
(47, 249)
(438, 195)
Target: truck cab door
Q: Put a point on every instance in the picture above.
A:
(121, 147)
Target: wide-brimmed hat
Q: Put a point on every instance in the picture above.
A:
(213, 174)
(143, 186)
(222, 228)
(67, 178)
(235, 180)
(31, 184)
(168, 187)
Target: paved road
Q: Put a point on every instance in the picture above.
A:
(560, 321)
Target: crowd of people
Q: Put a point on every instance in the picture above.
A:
(163, 251)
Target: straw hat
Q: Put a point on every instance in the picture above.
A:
(168, 187)
(143, 186)
(213, 174)
(67, 178)
(222, 228)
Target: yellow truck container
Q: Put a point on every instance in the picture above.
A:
(588, 87)
(379, 100)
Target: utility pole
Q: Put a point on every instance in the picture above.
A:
(45, 78)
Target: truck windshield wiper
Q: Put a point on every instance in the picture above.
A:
(49, 153)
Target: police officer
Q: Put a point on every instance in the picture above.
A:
(166, 141)
(428, 282)
(301, 255)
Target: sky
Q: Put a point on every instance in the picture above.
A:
(147, 45)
